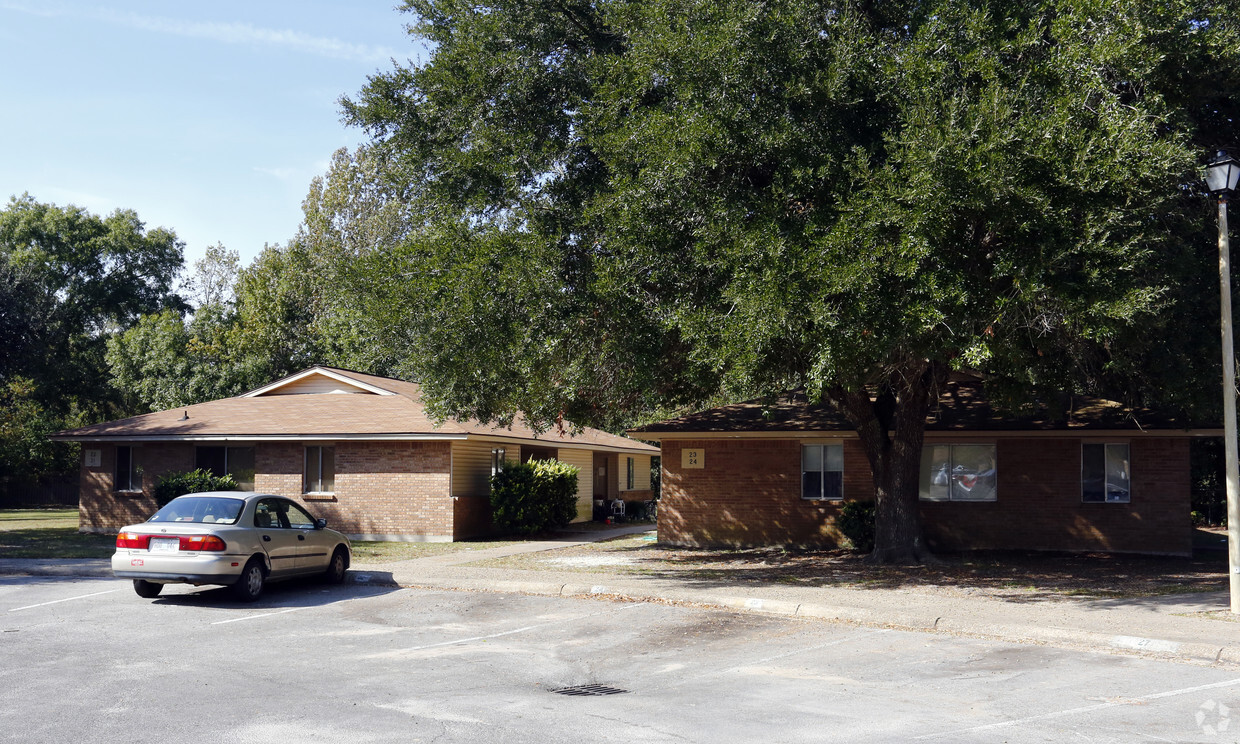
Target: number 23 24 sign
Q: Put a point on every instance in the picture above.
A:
(692, 458)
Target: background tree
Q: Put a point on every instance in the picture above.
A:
(632, 204)
(68, 279)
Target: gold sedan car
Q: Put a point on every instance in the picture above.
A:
(229, 538)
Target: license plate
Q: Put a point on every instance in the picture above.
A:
(165, 544)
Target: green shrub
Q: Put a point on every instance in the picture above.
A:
(857, 523)
(534, 496)
(195, 481)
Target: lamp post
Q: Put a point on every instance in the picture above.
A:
(1222, 176)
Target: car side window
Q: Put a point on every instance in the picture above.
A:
(298, 518)
(267, 514)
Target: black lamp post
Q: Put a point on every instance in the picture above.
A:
(1222, 176)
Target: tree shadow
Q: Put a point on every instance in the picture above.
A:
(1016, 576)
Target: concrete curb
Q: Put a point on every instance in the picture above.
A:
(1063, 637)
(1209, 653)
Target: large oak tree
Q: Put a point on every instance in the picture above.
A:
(624, 206)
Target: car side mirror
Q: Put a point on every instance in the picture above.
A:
(320, 524)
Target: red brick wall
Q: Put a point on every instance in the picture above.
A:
(382, 488)
(748, 493)
(1039, 502)
(391, 489)
(101, 509)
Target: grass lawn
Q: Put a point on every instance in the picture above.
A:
(389, 552)
(49, 533)
(52, 533)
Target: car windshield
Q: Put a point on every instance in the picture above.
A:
(204, 510)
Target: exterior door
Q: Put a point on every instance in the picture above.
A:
(277, 538)
(600, 476)
(312, 544)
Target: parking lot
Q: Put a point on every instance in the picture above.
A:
(88, 660)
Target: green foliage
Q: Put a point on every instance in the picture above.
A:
(997, 188)
(26, 453)
(534, 496)
(67, 279)
(630, 206)
(857, 523)
(173, 485)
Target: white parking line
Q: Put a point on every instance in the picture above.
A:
(459, 641)
(255, 617)
(57, 601)
(1077, 711)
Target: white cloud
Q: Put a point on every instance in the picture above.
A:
(226, 33)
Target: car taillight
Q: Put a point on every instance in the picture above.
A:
(132, 540)
(202, 542)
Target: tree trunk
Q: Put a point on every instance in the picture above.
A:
(891, 428)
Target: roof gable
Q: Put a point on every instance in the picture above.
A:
(318, 381)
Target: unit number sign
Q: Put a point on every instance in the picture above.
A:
(692, 458)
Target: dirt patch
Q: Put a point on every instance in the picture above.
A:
(1009, 575)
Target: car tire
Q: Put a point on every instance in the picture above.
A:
(147, 589)
(337, 567)
(249, 585)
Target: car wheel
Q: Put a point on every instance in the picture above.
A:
(250, 585)
(147, 589)
(337, 567)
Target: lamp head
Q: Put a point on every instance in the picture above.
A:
(1222, 174)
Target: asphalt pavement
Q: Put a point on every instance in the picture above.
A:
(1184, 627)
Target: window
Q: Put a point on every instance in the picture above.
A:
(497, 460)
(628, 477)
(958, 472)
(128, 474)
(235, 461)
(320, 470)
(1105, 475)
(822, 471)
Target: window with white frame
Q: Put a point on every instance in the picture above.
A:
(128, 475)
(320, 470)
(1105, 473)
(822, 471)
(958, 472)
(497, 460)
(628, 476)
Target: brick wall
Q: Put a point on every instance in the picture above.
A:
(393, 490)
(101, 508)
(748, 493)
(384, 490)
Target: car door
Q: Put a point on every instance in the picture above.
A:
(313, 550)
(275, 535)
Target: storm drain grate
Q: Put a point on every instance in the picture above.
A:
(589, 690)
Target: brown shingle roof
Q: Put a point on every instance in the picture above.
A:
(326, 416)
(961, 407)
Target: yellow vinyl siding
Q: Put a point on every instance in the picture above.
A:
(641, 473)
(584, 461)
(318, 385)
(471, 465)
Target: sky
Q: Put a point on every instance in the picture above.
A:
(209, 119)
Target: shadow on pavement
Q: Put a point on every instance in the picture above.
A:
(294, 593)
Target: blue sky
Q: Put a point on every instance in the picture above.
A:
(206, 118)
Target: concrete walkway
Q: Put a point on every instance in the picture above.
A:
(1168, 626)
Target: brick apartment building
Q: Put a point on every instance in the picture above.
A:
(359, 449)
(1103, 477)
